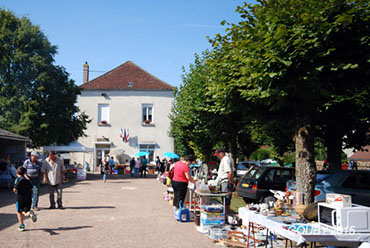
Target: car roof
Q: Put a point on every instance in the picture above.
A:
(340, 175)
(325, 172)
(275, 167)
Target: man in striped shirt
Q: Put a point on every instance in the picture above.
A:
(35, 170)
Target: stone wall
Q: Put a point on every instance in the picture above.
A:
(361, 165)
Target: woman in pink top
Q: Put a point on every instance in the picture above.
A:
(181, 178)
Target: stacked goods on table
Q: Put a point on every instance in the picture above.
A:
(212, 215)
(339, 200)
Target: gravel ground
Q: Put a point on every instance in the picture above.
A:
(123, 212)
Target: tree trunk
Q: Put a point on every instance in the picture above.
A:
(232, 139)
(305, 161)
(232, 145)
(334, 149)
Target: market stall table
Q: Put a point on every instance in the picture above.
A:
(299, 232)
(121, 168)
(201, 195)
(68, 171)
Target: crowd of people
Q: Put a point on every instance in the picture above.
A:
(138, 167)
(185, 171)
(28, 179)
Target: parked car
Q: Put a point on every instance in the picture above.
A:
(268, 162)
(349, 182)
(244, 166)
(320, 176)
(255, 185)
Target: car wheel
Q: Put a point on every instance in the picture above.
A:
(268, 199)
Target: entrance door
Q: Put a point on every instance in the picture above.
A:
(101, 151)
(148, 148)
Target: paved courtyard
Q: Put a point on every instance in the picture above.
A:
(123, 212)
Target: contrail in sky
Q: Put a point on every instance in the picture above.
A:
(203, 26)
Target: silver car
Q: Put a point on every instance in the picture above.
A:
(244, 166)
(349, 182)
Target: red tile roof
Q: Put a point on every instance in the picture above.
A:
(129, 72)
(362, 155)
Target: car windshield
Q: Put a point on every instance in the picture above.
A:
(321, 177)
(255, 173)
(246, 165)
(242, 166)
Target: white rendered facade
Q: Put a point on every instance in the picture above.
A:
(123, 109)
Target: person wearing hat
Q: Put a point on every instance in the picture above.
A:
(225, 176)
(34, 171)
(54, 168)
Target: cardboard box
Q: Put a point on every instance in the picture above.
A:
(212, 214)
(213, 218)
(339, 200)
(213, 208)
(212, 223)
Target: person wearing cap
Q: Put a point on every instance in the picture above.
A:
(34, 171)
(225, 176)
(54, 168)
(180, 180)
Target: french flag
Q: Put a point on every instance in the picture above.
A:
(124, 135)
(128, 134)
(121, 134)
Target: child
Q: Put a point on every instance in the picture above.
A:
(23, 189)
(104, 170)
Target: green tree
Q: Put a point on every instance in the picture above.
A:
(345, 124)
(37, 99)
(297, 56)
(192, 125)
(235, 114)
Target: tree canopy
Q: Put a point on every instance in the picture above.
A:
(37, 98)
(289, 66)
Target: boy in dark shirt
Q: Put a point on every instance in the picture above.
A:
(23, 189)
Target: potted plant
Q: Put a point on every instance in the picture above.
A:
(147, 122)
(103, 122)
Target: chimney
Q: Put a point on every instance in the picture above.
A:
(86, 73)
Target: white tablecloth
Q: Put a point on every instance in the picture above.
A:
(301, 233)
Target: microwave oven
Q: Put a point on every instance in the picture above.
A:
(344, 219)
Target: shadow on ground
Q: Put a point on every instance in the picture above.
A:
(53, 231)
(7, 220)
(7, 196)
(90, 207)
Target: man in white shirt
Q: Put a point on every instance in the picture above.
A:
(225, 176)
(54, 168)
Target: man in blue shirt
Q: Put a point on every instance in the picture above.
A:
(111, 164)
(143, 168)
(34, 171)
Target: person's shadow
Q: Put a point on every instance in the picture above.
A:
(53, 231)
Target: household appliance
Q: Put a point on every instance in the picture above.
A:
(346, 220)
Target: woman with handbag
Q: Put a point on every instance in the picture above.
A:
(181, 178)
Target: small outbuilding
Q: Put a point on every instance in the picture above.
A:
(13, 145)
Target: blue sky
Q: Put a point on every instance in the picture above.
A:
(160, 36)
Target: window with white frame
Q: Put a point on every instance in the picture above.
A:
(147, 113)
(148, 148)
(103, 114)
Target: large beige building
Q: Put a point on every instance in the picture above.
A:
(126, 100)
